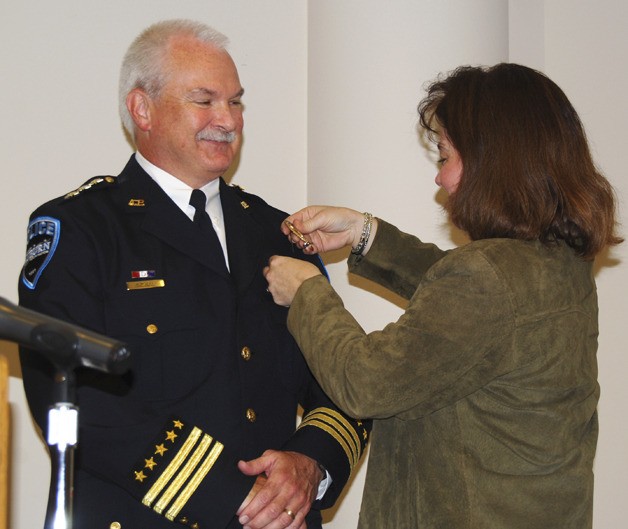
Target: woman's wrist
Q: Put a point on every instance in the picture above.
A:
(371, 238)
(364, 235)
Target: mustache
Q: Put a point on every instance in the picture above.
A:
(216, 135)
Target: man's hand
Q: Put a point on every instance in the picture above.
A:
(283, 498)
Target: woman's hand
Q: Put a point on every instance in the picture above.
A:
(326, 227)
(285, 275)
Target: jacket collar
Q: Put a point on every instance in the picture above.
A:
(162, 218)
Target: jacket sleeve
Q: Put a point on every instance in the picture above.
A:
(396, 260)
(448, 343)
(331, 437)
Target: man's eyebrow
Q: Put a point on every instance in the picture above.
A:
(203, 92)
(212, 93)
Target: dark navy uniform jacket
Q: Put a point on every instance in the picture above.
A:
(215, 375)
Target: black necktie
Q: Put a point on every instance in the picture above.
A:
(204, 224)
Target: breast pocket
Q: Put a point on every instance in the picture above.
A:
(170, 337)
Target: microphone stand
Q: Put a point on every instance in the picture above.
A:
(62, 438)
(62, 434)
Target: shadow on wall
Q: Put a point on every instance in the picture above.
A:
(605, 260)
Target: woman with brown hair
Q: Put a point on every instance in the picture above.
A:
(485, 389)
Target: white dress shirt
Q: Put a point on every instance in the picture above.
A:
(180, 193)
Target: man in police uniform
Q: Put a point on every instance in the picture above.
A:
(216, 378)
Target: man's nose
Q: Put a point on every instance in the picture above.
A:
(225, 116)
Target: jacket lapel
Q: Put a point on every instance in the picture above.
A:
(162, 217)
(244, 237)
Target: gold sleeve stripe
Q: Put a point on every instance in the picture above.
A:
(341, 421)
(343, 428)
(172, 468)
(196, 480)
(351, 455)
(183, 475)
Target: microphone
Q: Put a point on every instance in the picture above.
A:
(62, 343)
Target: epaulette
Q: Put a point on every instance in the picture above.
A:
(94, 183)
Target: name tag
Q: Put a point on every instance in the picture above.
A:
(138, 285)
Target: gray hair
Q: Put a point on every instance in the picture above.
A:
(143, 63)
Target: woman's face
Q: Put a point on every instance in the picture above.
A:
(450, 164)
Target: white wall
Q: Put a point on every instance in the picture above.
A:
(585, 52)
(331, 98)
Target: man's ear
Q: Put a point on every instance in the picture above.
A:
(138, 105)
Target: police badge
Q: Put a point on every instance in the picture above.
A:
(43, 237)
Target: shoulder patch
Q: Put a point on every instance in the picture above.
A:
(43, 236)
(97, 182)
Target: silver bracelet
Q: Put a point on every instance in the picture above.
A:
(366, 233)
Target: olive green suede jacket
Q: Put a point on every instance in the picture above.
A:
(484, 391)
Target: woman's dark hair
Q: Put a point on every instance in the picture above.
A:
(527, 170)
